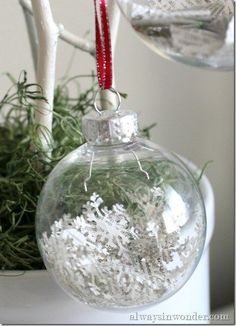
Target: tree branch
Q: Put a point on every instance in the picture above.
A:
(32, 32)
(48, 36)
(65, 35)
(114, 18)
(76, 41)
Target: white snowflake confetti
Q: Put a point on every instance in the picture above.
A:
(106, 257)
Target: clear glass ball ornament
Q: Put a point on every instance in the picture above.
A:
(120, 221)
(197, 32)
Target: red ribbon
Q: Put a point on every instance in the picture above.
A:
(103, 46)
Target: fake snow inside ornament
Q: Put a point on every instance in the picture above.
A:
(120, 221)
(196, 32)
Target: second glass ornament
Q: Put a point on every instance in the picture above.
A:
(197, 32)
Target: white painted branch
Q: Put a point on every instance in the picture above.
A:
(32, 32)
(76, 41)
(65, 35)
(108, 99)
(46, 66)
(114, 19)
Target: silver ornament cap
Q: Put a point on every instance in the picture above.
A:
(110, 127)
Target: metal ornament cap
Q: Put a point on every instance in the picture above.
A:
(110, 127)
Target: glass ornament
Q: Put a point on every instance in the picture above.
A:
(195, 32)
(120, 221)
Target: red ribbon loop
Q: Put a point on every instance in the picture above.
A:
(103, 46)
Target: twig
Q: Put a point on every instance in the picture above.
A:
(32, 32)
(48, 37)
(65, 35)
(76, 41)
(114, 18)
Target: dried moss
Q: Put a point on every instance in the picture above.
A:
(21, 175)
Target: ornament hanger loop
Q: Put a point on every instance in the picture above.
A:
(99, 111)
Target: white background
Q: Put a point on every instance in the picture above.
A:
(193, 108)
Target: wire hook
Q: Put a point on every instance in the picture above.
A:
(140, 166)
(90, 172)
